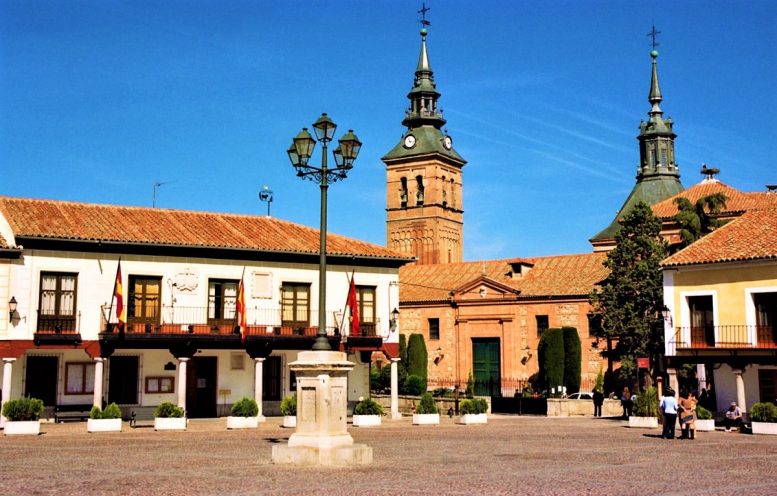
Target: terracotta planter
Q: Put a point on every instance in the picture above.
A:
(290, 421)
(706, 425)
(643, 422)
(426, 418)
(473, 419)
(366, 420)
(242, 422)
(769, 428)
(103, 425)
(22, 428)
(169, 423)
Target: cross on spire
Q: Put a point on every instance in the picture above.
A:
(653, 34)
(423, 11)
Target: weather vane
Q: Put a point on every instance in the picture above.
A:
(423, 11)
(653, 33)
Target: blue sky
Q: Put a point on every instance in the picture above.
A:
(100, 99)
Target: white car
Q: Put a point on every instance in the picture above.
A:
(583, 395)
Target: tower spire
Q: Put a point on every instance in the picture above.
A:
(655, 92)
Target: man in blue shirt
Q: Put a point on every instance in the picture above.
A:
(668, 407)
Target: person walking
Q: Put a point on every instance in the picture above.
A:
(626, 402)
(598, 402)
(687, 412)
(668, 407)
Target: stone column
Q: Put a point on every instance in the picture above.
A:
(395, 389)
(182, 382)
(672, 373)
(740, 382)
(7, 370)
(97, 398)
(258, 378)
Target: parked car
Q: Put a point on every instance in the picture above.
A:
(582, 395)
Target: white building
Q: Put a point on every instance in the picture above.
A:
(180, 272)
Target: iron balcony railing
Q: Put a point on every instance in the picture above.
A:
(205, 320)
(724, 337)
(56, 324)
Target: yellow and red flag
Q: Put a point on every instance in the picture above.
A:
(353, 305)
(118, 293)
(241, 308)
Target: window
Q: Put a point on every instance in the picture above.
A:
(57, 302)
(158, 385)
(295, 305)
(144, 299)
(79, 378)
(542, 324)
(366, 298)
(434, 328)
(767, 384)
(702, 321)
(766, 317)
(403, 193)
(271, 379)
(222, 297)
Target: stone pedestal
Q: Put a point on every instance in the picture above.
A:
(322, 436)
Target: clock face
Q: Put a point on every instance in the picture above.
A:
(448, 142)
(409, 141)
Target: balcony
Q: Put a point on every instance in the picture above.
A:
(57, 330)
(263, 324)
(726, 338)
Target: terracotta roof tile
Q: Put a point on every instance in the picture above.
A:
(550, 276)
(753, 236)
(737, 202)
(85, 221)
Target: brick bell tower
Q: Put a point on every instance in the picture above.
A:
(424, 208)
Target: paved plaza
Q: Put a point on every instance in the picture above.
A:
(510, 455)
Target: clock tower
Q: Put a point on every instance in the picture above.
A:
(424, 208)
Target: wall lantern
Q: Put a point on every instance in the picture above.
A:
(12, 304)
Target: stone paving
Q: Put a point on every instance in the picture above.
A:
(510, 455)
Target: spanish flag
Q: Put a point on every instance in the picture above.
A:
(353, 305)
(241, 308)
(118, 293)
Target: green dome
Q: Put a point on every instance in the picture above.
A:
(654, 53)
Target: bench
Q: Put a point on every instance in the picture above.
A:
(71, 412)
(141, 413)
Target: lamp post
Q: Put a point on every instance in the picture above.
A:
(345, 154)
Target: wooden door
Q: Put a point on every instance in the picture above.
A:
(41, 378)
(486, 366)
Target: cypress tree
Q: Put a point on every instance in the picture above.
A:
(417, 357)
(573, 355)
(551, 359)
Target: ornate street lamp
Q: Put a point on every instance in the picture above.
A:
(345, 154)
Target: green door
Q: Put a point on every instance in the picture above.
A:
(486, 367)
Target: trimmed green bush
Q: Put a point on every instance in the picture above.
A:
(550, 353)
(599, 381)
(426, 405)
(112, 411)
(23, 409)
(168, 410)
(702, 413)
(368, 406)
(403, 351)
(763, 412)
(573, 355)
(289, 405)
(414, 385)
(95, 413)
(417, 357)
(646, 404)
(245, 407)
(442, 392)
(473, 407)
(470, 391)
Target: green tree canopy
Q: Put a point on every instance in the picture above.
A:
(697, 220)
(550, 351)
(417, 356)
(573, 356)
(631, 297)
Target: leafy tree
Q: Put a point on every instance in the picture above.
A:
(697, 220)
(573, 355)
(550, 351)
(630, 298)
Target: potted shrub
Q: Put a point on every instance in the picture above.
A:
(289, 410)
(704, 419)
(645, 412)
(169, 417)
(763, 417)
(367, 413)
(473, 411)
(23, 416)
(108, 420)
(245, 415)
(426, 413)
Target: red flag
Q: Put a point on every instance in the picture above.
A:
(118, 293)
(241, 309)
(353, 305)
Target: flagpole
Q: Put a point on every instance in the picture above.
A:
(236, 318)
(113, 293)
(346, 303)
